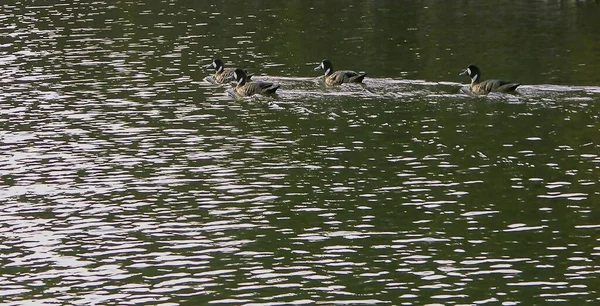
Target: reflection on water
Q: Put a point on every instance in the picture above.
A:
(126, 178)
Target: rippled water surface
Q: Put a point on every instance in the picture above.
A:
(127, 178)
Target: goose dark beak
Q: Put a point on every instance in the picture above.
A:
(318, 68)
(464, 73)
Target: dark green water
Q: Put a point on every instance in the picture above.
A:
(127, 178)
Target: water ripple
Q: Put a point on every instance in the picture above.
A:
(129, 178)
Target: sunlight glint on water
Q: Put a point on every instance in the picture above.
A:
(126, 178)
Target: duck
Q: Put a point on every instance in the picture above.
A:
(223, 75)
(480, 87)
(333, 78)
(246, 89)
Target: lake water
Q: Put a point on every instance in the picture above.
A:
(127, 178)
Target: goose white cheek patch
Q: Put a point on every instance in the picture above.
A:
(327, 71)
(469, 71)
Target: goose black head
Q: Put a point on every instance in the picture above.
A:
(325, 65)
(473, 72)
(240, 76)
(216, 64)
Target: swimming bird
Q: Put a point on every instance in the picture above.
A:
(223, 75)
(480, 87)
(332, 78)
(244, 88)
